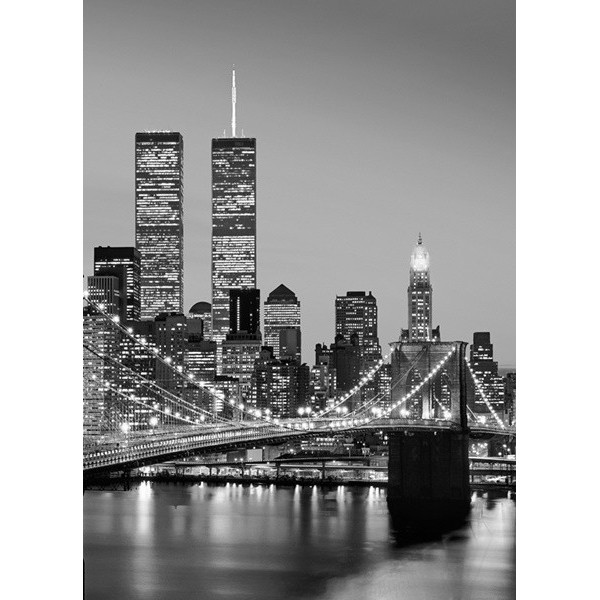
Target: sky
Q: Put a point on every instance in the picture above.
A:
(374, 121)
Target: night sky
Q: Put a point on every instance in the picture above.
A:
(375, 120)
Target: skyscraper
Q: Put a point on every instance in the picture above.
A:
(98, 398)
(419, 295)
(159, 220)
(282, 312)
(240, 351)
(124, 263)
(202, 311)
(170, 337)
(278, 386)
(485, 369)
(356, 313)
(233, 222)
(290, 344)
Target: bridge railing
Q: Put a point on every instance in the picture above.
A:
(175, 442)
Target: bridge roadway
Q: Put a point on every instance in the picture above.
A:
(133, 450)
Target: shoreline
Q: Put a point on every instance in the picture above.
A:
(126, 482)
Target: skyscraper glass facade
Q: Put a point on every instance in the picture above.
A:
(282, 312)
(356, 313)
(233, 227)
(159, 220)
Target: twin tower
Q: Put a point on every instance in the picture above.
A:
(159, 230)
(159, 220)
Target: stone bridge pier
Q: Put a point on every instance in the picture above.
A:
(428, 471)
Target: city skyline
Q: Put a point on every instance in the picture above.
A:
(469, 264)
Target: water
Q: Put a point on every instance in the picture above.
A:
(237, 542)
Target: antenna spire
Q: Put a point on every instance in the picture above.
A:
(420, 240)
(233, 102)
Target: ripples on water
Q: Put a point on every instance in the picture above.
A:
(238, 542)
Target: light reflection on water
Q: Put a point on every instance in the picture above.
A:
(243, 542)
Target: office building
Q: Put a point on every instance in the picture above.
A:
(202, 312)
(356, 314)
(233, 222)
(510, 397)
(240, 351)
(419, 295)
(290, 343)
(201, 359)
(170, 337)
(124, 263)
(105, 292)
(282, 312)
(137, 364)
(486, 371)
(159, 220)
(229, 395)
(244, 310)
(98, 399)
(278, 386)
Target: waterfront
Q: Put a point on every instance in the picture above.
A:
(254, 541)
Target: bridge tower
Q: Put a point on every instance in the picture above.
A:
(428, 469)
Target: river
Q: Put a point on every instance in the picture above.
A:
(246, 542)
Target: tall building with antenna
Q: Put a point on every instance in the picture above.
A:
(233, 222)
(419, 295)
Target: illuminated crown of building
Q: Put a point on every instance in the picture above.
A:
(419, 259)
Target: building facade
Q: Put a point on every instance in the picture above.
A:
(170, 337)
(419, 295)
(159, 220)
(105, 291)
(240, 352)
(202, 311)
(244, 310)
(510, 397)
(124, 263)
(356, 314)
(485, 369)
(282, 313)
(99, 399)
(233, 224)
(278, 386)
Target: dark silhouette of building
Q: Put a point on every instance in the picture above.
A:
(290, 343)
(159, 220)
(202, 312)
(244, 311)
(347, 360)
(510, 397)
